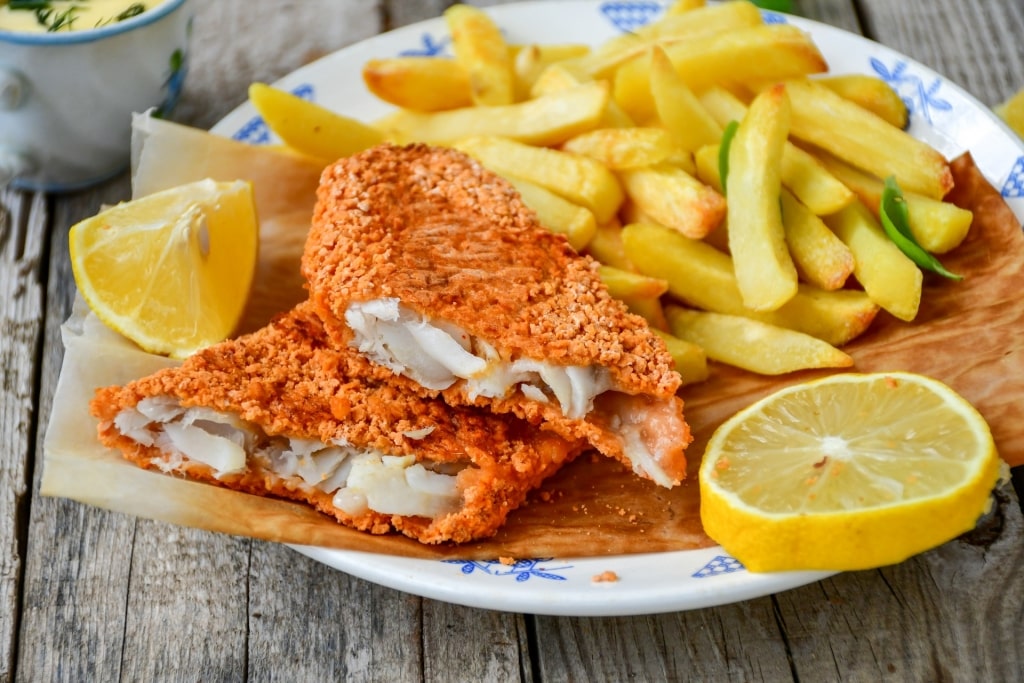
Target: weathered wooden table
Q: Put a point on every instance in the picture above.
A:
(89, 595)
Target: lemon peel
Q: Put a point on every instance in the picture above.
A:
(172, 270)
(848, 472)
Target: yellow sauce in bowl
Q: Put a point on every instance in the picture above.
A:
(68, 15)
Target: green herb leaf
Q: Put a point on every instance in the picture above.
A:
(723, 151)
(896, 222)
(29, 4)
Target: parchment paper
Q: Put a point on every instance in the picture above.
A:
(966, 335)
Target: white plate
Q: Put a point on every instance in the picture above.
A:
(941, 113)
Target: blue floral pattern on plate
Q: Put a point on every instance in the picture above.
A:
(522, 570)
(255, 130)
(629, 16)
(718, 566)
(920, 97)
(1014, 185)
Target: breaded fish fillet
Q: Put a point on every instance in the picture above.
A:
(432, 266)
(283, 412)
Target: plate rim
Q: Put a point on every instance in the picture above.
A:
(405, 574)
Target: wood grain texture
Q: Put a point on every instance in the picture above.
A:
(91, 595)
(974, 44)
(77, 561)
(23, 221)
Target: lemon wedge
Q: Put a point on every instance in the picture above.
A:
(171, 271)
(847, 472)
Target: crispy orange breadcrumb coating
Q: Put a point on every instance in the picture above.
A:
(454, 242)
(288, 379)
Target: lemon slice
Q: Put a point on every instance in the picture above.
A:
(847, 472)
(172, 270)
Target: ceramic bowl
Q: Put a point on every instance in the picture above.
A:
(67, 98)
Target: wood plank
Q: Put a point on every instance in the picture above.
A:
(839, 14)
(974, 44)
(954, 613)
(237, 42)
(187, 608)
(23, 221)
(308, 622)
(77, 558)
(739, 642)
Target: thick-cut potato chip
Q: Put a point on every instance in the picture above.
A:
(872, 93)
(703, 277)
(674, 198)
(820, 257)
(548, 120)
(557, 214)
(626, 284)
(804, 175)
(865, 140)
(530, 61)
(482, 51)
(937, 226)
(606, 246)
(558, 77)
(309, 128)
(702, 19)
(577, 178)
(765, 272)
(753, 345)
(419, 83)
(679, 110)
(690, 360)
(745, 56)
(619, 148)
(888, 276)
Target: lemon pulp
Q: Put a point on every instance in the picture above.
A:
(848, 472)
(172, 270)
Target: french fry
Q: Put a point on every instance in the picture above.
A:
(888, 276)
(865, 140)
(309, 128)
(869, 92)
(674, 198)
(558, 77)
(559, 215)
(530, 61)
(577, 178)
(681, 26)
(702, 20)
(805, 177)
(705, 161)
(703, 277)
(937, 226)
(606, 246)
(744, 56)
(619, 148)
(650, 309)
(820, 257)
(482, 51)
(765, 272)
(679, 110)
(548, 120)
(684, 6)
(419, 83)
(690, 360)
(754, 345)
(626, 284)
